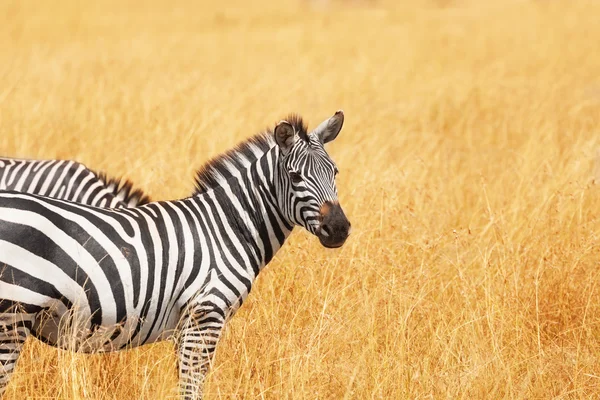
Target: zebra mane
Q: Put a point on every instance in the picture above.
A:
(225, 165)
(123, 190)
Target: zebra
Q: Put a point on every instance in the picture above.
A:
(68, 180)
(95, 279)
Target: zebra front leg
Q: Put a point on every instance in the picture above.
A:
(14, 329)
(200, 331)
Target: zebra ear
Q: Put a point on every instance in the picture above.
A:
(284, 135)
(329, 129)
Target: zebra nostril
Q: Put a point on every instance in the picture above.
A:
(325, 230)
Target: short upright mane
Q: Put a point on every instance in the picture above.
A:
(123, 190)
(223, 166)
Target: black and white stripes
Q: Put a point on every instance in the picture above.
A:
(67, 180)
(95, 279)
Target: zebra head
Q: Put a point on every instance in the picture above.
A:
(308, 195)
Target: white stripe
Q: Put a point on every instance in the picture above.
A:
(73, 181)
(33, 265)
(171, 265)
(58, 184)
(81, 185)
(5, 175)
(24, 176)
(88, 191)
(14, 172)
(49, 178)
(39, 170)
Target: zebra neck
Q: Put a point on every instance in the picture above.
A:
(259, 192)
(252, 217)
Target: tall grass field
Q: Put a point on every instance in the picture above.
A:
(469, 167)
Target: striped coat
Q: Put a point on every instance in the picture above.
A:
(94, 279)
(67, 180)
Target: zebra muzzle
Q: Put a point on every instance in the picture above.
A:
(334, 228)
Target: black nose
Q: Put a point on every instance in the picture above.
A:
(335, 227)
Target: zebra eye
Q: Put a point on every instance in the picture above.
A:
(295, 177)
(336, 171)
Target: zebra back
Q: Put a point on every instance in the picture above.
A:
(68, 180)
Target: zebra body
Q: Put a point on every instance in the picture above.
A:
(94, 279)
(67, 180)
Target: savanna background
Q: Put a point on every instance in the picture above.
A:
(469, 163)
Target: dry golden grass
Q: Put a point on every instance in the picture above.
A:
(468, 164)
